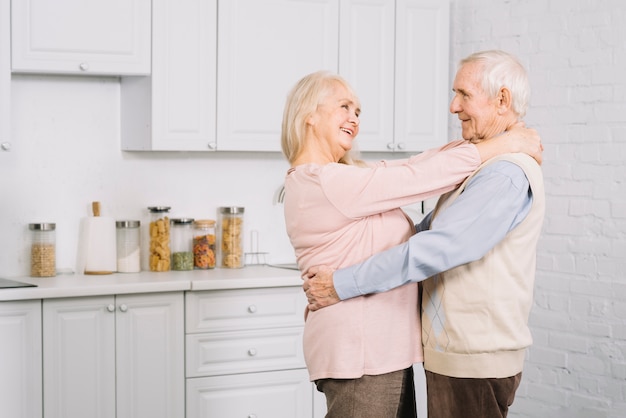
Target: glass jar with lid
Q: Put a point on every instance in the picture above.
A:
(230, 231)
(204, 244)
(43, 249)
(128, 248)
(182, 239)
(159, 253)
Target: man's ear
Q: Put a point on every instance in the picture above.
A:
(504, 100)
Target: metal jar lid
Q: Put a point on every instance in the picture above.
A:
(127, 224)
(159, 209)
(181, 221)
(231, 210)
(42, 227)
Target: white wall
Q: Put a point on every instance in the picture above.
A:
(66, 153)
(575, 51)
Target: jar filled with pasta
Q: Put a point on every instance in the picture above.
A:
(159, 237)
(43, 249)
(204, 244)
(182, 251)
(230, 230)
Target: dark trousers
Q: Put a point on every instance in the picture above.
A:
(450, 397)
(390, 395)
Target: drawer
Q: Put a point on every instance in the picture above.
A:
(244, 309)
(222, 353)
(285, 394)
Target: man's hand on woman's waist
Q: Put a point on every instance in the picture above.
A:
(319, 288)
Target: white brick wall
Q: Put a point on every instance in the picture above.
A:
(575, 51)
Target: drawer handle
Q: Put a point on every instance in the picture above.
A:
(252, 352)
(252, 308)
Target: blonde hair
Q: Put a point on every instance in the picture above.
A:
(302, 101)
(501, 69)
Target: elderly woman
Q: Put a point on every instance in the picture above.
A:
(338, 211)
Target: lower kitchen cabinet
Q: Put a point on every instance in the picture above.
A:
(244, 354)
(20, 359)
(114, 356)
(281, 394)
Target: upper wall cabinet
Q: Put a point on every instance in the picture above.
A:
(221, 71)
(98, 37)
(264, 48)
(395, 55)
(5, 76)
(174, 109)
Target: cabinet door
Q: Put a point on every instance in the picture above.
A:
(79, 357)
(175, 108)
(284, 394)
(421, 101)
(86, 37)
(5, 75)
(20, 359)
(264, 48)
(366, 52)
(150, 356)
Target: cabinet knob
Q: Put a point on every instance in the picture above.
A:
(390, 146)
(252, 416)
(6, 146)
(123, 307)
(252, 352)
(252, 308)
(212, 145)
(111, 307)
(83, 66)
(401, 146)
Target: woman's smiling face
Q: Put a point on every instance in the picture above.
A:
(335, 123)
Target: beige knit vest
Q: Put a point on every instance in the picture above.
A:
(475, 316)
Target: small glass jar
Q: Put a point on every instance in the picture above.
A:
(128, 249)
(159, 254)
(231, 237)
(43, 249)
(182, 237)
(204, 244)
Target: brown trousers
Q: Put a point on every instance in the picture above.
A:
(390, 395)
(450, 397)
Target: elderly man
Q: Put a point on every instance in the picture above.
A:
(478, 251)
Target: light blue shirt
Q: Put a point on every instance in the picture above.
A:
(494, 202)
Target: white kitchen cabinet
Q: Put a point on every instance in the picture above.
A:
(244, 354)
(174, 109)
(264, 48)
(114, 356)
(5, 75)
(395, 55)
(284, 394)
(20, 359)
(99, 37)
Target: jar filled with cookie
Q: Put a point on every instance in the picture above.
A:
(230, 231)
(159, 237)
(204, 244)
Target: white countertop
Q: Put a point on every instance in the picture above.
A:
(72, 285)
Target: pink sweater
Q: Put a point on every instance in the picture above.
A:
(339, 215)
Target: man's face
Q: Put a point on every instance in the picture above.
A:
(478, 113)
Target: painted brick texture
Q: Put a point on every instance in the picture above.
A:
(575, 52)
